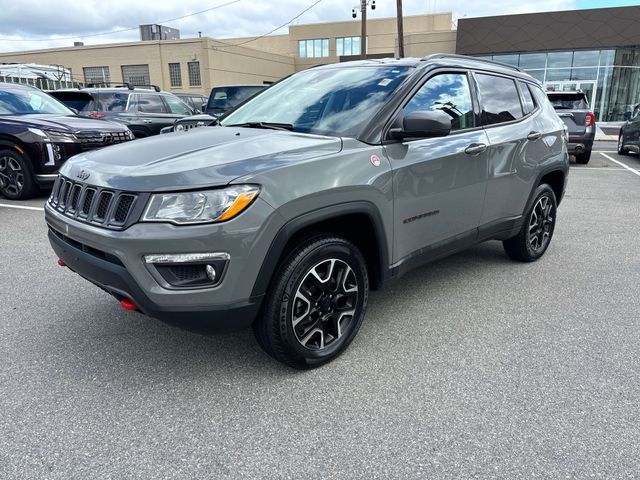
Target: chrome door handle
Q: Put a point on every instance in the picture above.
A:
(475, 148)
(147, 121)
(534, 136)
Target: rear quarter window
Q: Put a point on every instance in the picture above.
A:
(528, 103)
(499, 99)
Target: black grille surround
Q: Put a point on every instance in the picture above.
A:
(102, 207)
(89, 140)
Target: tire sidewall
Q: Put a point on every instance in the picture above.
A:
(342, 251)
(541, 191)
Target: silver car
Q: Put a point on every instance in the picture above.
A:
(328, 184)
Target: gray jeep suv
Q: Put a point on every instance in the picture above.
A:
(330, 183)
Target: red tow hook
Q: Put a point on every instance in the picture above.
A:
(61, 263)
(128, 305)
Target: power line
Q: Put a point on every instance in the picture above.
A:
(275, 29)
(117, 31)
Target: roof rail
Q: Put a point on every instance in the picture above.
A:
(465, 57)
(155, 87)
(109, 84)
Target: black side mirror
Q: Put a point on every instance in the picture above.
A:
(423, 124)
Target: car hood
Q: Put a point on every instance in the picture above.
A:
(65, 123)
(202, 157)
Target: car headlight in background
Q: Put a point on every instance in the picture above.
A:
(55, 136)
(207, 206)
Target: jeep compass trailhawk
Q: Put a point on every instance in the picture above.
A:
(328, 184)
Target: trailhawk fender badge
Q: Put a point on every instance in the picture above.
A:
(375, 161)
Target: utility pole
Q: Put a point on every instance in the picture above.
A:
(400, 30)
(363, 31)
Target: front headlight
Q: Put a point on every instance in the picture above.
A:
(179, 127)
(206, 206)
(55, 136)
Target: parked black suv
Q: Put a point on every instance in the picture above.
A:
(224, 98)
(144, 110)
(37, 135)
(629, 138)
(573, 109)
(221, 101)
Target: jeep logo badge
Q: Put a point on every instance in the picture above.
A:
(83, 174)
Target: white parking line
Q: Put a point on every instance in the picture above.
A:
(613, 169)
(22, 207)
(633, 170)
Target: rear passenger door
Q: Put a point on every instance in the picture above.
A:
(508, 116)
(439, 183)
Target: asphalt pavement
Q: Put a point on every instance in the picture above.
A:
(472, 367)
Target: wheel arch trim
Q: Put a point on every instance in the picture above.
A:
(297, 224)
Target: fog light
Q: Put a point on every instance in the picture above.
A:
(211, 273)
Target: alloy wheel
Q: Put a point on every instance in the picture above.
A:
(324, 306)
(11, 175)
(541, 224)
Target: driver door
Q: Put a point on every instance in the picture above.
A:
(439, 183)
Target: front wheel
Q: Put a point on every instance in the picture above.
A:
(537, 230)
(316, 303)
(621, 148)
(16, 180)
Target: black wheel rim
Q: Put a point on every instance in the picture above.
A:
(11, 175)
(325, 304)
(541, 224)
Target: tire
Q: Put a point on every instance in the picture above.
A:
(621, 149)
(16, 177)
(583, 158)
(525, 246)
(315, 304)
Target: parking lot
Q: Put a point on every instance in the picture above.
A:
(474, 366)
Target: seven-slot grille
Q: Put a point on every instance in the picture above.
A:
(93, 140)
(99, 206)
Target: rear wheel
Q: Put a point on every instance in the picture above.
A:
(621, 148)
(16, 179)
(583, 158)
(316, 303)
(537, 230)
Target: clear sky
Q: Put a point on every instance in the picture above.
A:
(33, 24)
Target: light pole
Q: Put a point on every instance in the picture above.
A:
(363, 30)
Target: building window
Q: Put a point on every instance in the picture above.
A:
(136, 74)
(315, 48)
(96, 75)
(174, 75)
(349, 46)
(194, 74)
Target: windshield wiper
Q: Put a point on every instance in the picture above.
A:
(266, 125)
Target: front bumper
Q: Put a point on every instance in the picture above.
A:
(113, 260)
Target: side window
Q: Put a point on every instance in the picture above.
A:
(176, 105)
(449, 93)
(499, 99)
(527, 99)
(148, 103)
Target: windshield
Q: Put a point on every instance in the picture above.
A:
(335, 101)
(225, 98)
(30, 101)
(569, 101)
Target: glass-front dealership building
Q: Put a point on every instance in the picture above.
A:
(596, 51)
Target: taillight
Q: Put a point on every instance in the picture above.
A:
(97, 115)
(589, 119)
